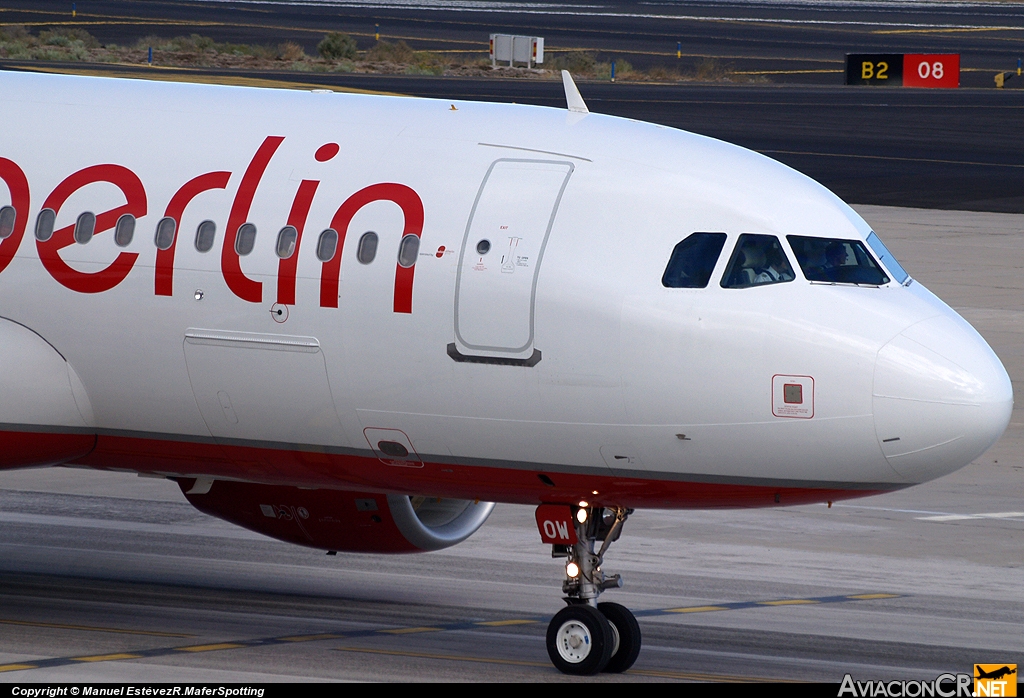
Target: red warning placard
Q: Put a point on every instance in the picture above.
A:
(931, 70)
(554, 521)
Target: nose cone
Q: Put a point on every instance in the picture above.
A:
(941, 398)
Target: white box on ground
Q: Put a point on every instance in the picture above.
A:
(517, 49)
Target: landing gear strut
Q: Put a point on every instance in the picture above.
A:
(588, 637)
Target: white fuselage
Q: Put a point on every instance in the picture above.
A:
(634, 380)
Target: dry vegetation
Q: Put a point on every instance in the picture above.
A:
(336, 53)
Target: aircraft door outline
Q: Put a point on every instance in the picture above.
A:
(500, 258)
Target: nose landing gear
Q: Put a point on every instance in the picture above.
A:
(587, 637)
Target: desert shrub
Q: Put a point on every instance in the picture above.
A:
(337, 46)
(622, 69)
(202, 43)
(266, 52)
(711, 69)
(14, 32)
(15, 51)
(427, 63)
(194, 43)
(576, 62)
(291, 51)
(66, 36)
(15, 42)
(385, 51)
(54, 39)
(661, 72)
(43, 53)
(424, 70)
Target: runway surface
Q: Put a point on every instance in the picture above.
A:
(949, 149)
(782, 41)
(945, 149)
(113, 577)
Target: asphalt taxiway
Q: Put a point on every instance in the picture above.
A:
(944, 149)
(111, 577)
(787, 41)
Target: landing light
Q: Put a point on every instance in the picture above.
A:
(581, 515)
(572, 570)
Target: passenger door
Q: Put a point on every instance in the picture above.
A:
(499, 263)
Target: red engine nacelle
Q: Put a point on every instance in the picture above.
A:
(338, 520)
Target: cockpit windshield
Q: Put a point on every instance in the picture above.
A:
(886, 258)
(757, 261)
(693, 260)
(836, 261)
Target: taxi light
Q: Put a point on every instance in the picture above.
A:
(572, 570)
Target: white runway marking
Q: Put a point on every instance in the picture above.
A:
(964, 517)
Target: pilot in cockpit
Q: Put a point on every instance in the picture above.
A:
(774, 267)
(835, 258)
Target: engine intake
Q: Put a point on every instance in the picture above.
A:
(340, 520)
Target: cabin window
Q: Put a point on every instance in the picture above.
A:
(407, 250)
(124, 230)
(7, 217)
(205, 234)
(693, 260)
(886, 258)
(44, 224)
(245, 241)
(165, 230)
(286, 241)
(85, 226)
(836, 261)
(367, 249)
(327, 245)
(758, 260)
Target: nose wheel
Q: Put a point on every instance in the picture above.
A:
(580, 640)
(626, 647)
(588, 637)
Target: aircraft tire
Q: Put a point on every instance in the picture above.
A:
(579, 640)
(624, 625)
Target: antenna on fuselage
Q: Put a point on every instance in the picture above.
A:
(573, 98)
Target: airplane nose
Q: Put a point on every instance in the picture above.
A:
(941, 398)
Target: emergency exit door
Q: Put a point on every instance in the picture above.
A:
(500, 260)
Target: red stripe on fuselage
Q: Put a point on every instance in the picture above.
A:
(24, 449)
(315, 468)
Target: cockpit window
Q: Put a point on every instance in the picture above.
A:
(886, 258)
(757, 261)
(836, 261)
(693, 260)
